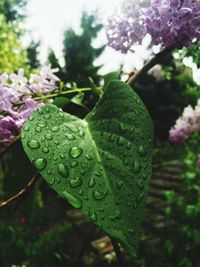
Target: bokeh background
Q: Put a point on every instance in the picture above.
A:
(42, 230)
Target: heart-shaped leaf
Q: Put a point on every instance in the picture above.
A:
(101, 164)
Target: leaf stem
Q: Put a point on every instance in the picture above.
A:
(150, 64)
(20, 193)
(63, 93)
(118, 253)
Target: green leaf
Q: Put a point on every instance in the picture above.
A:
(61, 101)
(115, 75)
(101, 164)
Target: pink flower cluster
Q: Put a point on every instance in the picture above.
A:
(173, 23)
(17, 98)
(187, 124)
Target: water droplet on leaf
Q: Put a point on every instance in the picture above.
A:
(74, 201)
(75, 152)
(75, 182)
(34, 144)
(40, 164)
(63, 170)
(55, 129)
(99, 195)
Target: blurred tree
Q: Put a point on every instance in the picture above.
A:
(32, 54)
(53, 60)
(14, 10)
(12, 54)
(79, 54)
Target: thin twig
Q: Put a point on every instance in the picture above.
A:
(20, 193)
(150, 64)
(118, 253)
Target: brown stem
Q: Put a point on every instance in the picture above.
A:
(150, 64)
(118, 253)
(20, 193)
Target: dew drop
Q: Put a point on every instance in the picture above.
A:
(38, 129)
(75, 182)
(88, 157)
(41, 124)
(70, 137)
(81, 192)
(75, 152)
(56, 142)
(141, 151)
(26, 128)
(99, 195)
(74, 164)
(128, 145)
(93, 216)
(120, 141)
(31, 118)
(45, 150)
(91, 183)
(81, 134)
(72, 128)
(63, 170)
(55, 158)
(49, 136)
(97, 173)
(33, 144)
(122, 127)
(82, 171)
(40, 111)
(40, 164)
(136, 167)
(52, 181)
(62, 156)
(55, 129)
(47, 116)
(115, 216)
(74, 201)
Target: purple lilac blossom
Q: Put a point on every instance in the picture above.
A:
(15, 89)
(173, 23)
(127, 28)
(186, 125)
(8, 129)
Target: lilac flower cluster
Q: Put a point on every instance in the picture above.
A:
(169, 22)
(187, 124)
(17, 101)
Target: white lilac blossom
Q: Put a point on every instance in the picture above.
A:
(171, 23)
(186, 125)
(17, 102)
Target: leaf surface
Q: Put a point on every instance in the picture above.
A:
(101, 164)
